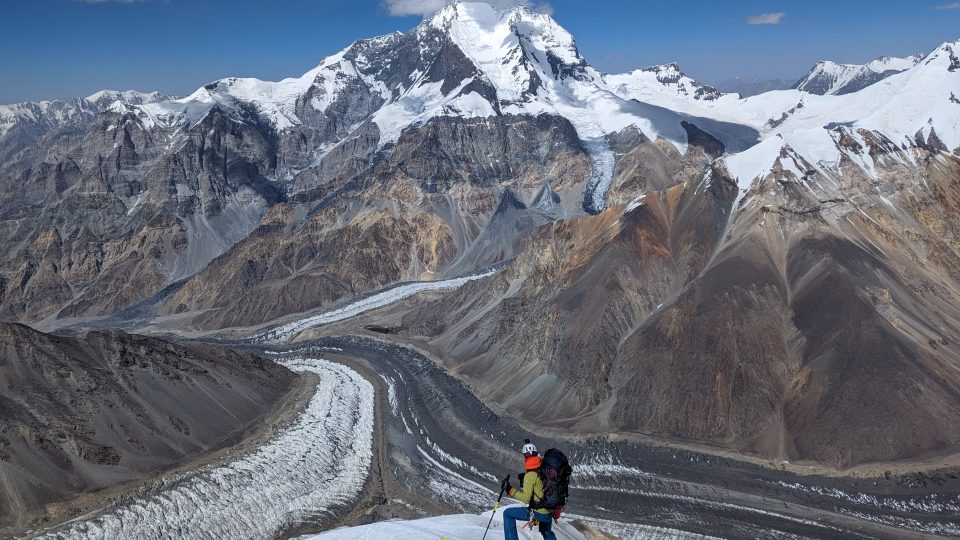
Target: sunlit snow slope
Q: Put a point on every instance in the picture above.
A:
(832, 78)
(452, 527)
(471, 527)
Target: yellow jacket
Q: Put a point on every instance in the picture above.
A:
(532, 487)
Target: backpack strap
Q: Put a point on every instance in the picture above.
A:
(533, 490)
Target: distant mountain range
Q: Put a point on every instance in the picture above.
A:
(752, 87)
(830, 78)
(23, 123)
(671, 260)
(825, 78)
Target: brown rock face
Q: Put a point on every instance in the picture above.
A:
(547, 328)
(283, 268)
(82, 413)
(433, 207)
(812, 324)
(100, 222)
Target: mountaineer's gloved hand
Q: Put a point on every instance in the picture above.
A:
(505, 485)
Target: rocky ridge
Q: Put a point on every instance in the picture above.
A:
(83, 413)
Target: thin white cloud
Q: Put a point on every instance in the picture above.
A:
(951, 5)
(403, 8)
(766, 18)
(425, 8)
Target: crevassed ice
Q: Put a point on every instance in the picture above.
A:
(315, 465)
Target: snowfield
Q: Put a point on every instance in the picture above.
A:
(471, 527)
(314, 466)
(452, 527)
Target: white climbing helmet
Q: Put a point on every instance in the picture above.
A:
(528, 448)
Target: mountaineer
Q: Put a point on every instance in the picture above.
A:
(544, 485)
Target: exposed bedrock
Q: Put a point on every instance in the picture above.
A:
(818, 323)
(451, 196)
(115, 220)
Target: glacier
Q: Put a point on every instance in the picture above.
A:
(393, 294)
(315, 465)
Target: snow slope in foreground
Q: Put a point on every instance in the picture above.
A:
(471, 527)
(452, 527)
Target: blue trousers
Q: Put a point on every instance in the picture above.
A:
(512, 515)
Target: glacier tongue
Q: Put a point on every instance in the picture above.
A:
(601, 162)
(393, 294)
(316, 464)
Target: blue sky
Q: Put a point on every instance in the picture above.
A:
(61, 48)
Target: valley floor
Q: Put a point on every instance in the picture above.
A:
(433, 448)
(442, 446)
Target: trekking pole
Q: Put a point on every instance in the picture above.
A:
(495, 506)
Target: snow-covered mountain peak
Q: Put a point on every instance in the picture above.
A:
(888, 63)
(486, 15)
(29, 120)
(504, 43)
(831, 78)
(471, 60)
(916, 107)
(666, 72)
(468, 60)
(131, 97)
(276, 102)
(947, 55)
(476, 12)
(661, 80)
(118, 107)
